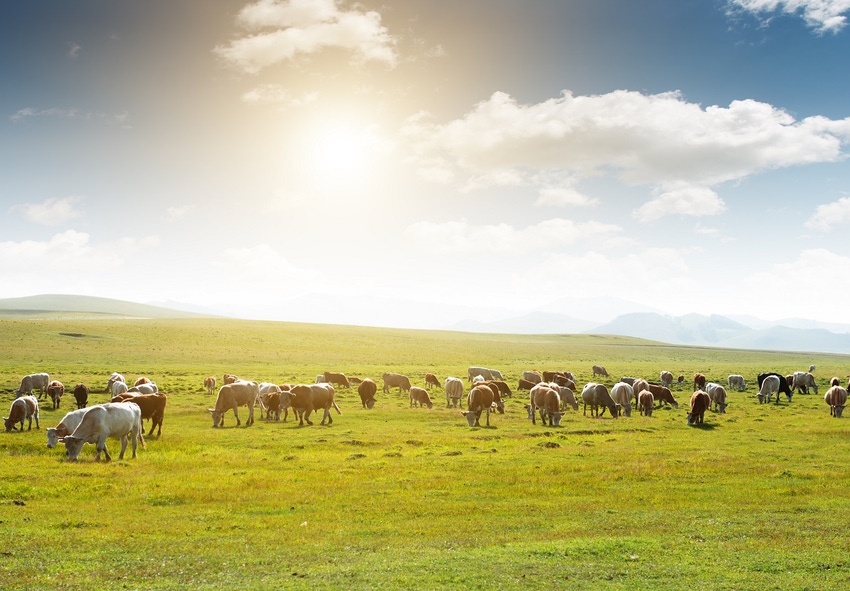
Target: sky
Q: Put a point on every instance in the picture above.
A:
(416, 163)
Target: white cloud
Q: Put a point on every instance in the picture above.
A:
(829, 215)
(275, 94)
(177, 213)
(564, 197)
(824, 16)
(305, 27)
(52, 212)
(109, 119)
(660, 140)
(681, 200)
(461, 237)
(74, 50)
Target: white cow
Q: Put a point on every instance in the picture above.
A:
(114, 377)
(666, 379)
(118, 388)
(717, 396)
(736, 381)
(803, 381)
(65, 427)
(118, 420)
(149, 388)
(454, 391)
(35, 381)
(769, 387)
(622, 393)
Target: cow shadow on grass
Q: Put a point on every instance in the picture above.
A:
(704, 426)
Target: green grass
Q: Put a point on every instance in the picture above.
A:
(400, 498)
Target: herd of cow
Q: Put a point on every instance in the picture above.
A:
(550, 394)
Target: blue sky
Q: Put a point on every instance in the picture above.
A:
(413, 163)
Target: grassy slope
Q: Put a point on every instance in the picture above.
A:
(399, 498)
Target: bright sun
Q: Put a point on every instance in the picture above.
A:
(342, 153)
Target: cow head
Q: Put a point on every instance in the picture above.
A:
(52, 439)
(528, 409)
(370, 403)
(10, 425)
(721, 407)
(555, 420)
(616, 410)
(627, 410)
(690, 419)
(838, 411)
(217, 416)
(500, 406)
(73, 446)
(471, 417)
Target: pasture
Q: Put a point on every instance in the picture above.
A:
(401, 498)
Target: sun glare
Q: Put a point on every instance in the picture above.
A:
(341, 153)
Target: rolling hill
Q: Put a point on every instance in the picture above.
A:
(51, 304)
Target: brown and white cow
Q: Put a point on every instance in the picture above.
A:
(209, 384)
(662, 395)
(431, 381)
(699, 381)
(836, 398)
(232, 396)
(454, 391)
(595, 396)
(717, 395)
(480, 399)
(22, 409)
(55, 390)
(337, 378)
(666, 378)
(547, 401)
(646, 402)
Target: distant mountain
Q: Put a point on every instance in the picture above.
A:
(720, 331)
(595, 310)
(76, 304)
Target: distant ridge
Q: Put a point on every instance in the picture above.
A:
(77, 304)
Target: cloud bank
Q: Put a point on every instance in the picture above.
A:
(824, 16)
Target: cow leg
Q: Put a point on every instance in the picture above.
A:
(123, 448)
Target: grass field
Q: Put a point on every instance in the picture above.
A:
(400, 498)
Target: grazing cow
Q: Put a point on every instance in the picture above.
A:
(273, 405)
(717, 396)
(65, 427)
(55, 390)
(306, 398)
(646, 402)
(811, 368)
(119, 388)
(768, 386)
(367, 390)
(699, 381)
(480, 399)
(596, 395)
(35, 381)
(266, 388)
(699, 404)
(547, 401)
(141, 380)
(232, 396)
(598, 370)
(503, 387)
(152, 407)
(22, 409)
(209, 384)
(836, 398)
(337, 378)
(121, 420)
(789, 379)
(666, 379)
(783, 386)
(834, 381)
(487, 374)
(568, 397)
(81, 395)
(149, 388)
(804, 381)
(736, 381)
(354, 381)
(662, 395)
(395, 380)
(115, 377)
(622, 394)
(419, 397)
(638, 386)
(431, 381)
(228, 378)
(454, 391)
(629, 380)
(680, 380)
(532, 376)
(525, 384)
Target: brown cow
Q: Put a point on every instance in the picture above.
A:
(836, 398)
(22, 409)
(525, 384)
(480, 399)
(81, 395)
(209, 384)
(229, 378)
(141, 380)
(395, 380)
(152, 407)
(306, 398)
(547, 401)
(699, 404)
(55, 390)
(337, 378)
(367, 390)
(646, 402)
(598, 370)
(699, 381)
(596, 395)
(419, 397)
(431, 381)
(666, 379)
(663, 395)
(232, 396)
(273, 405)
